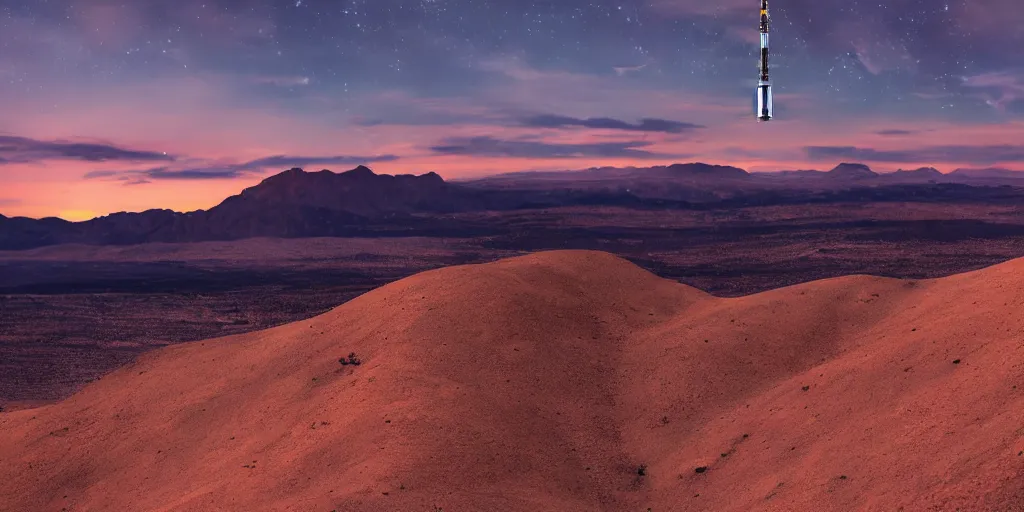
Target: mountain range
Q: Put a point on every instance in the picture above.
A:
(359, 202)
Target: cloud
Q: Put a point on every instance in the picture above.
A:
(103, 23)
(878, 56)
(895, 133)
(228, 171)
(947, 153)
(128, 177)
(282, 81)
(760, 154)
(302, 161)
(143, 176)
(691, 7)
(622, 70)
(105, 174)
(645, 125)
(492, 147)
(999, 89)
(24, 150)
(196, 173)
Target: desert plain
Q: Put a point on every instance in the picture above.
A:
(850, 347)
(561, 380)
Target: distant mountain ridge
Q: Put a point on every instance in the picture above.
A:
(990, 172)
(702, 169)
(843, 171)
(293, 203)
(929, 172)
(359, 191)
(359, 202)
(852, 171)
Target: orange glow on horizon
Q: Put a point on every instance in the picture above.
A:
(234, 134)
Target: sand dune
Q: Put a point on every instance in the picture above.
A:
(545, 382)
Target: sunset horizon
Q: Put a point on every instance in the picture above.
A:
(114, 107)
(203, 194)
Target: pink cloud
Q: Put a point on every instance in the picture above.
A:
(998, 89)
(105, 24)
(282, 81)
(878, 55)
(201, 117)
(1002, 17)
(677, 7)
(51, 189)
(236, 27)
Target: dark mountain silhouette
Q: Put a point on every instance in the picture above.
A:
(923, 172)
(843, 171)
(990, 172)
(359, 202)
(358, 192)
(298, 203)
(293, 203)
(917, 176)
(852, 171)
(707, 170)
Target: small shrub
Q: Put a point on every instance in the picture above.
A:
(350, 360)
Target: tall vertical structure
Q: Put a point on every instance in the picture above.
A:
(764, 84)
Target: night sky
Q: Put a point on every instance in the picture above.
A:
(108, 106)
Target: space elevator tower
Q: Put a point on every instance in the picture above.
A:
(764, 84)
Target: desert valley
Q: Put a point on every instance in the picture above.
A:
(688, 337)
(80, 299)
(566, 380)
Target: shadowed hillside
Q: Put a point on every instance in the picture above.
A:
(567, 380)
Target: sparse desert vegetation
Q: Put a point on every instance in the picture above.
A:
(539, 407)
(350, 360)
(73, 313)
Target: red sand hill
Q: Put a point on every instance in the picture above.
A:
(543, 383)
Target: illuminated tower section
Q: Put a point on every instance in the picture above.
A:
(764, 84)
